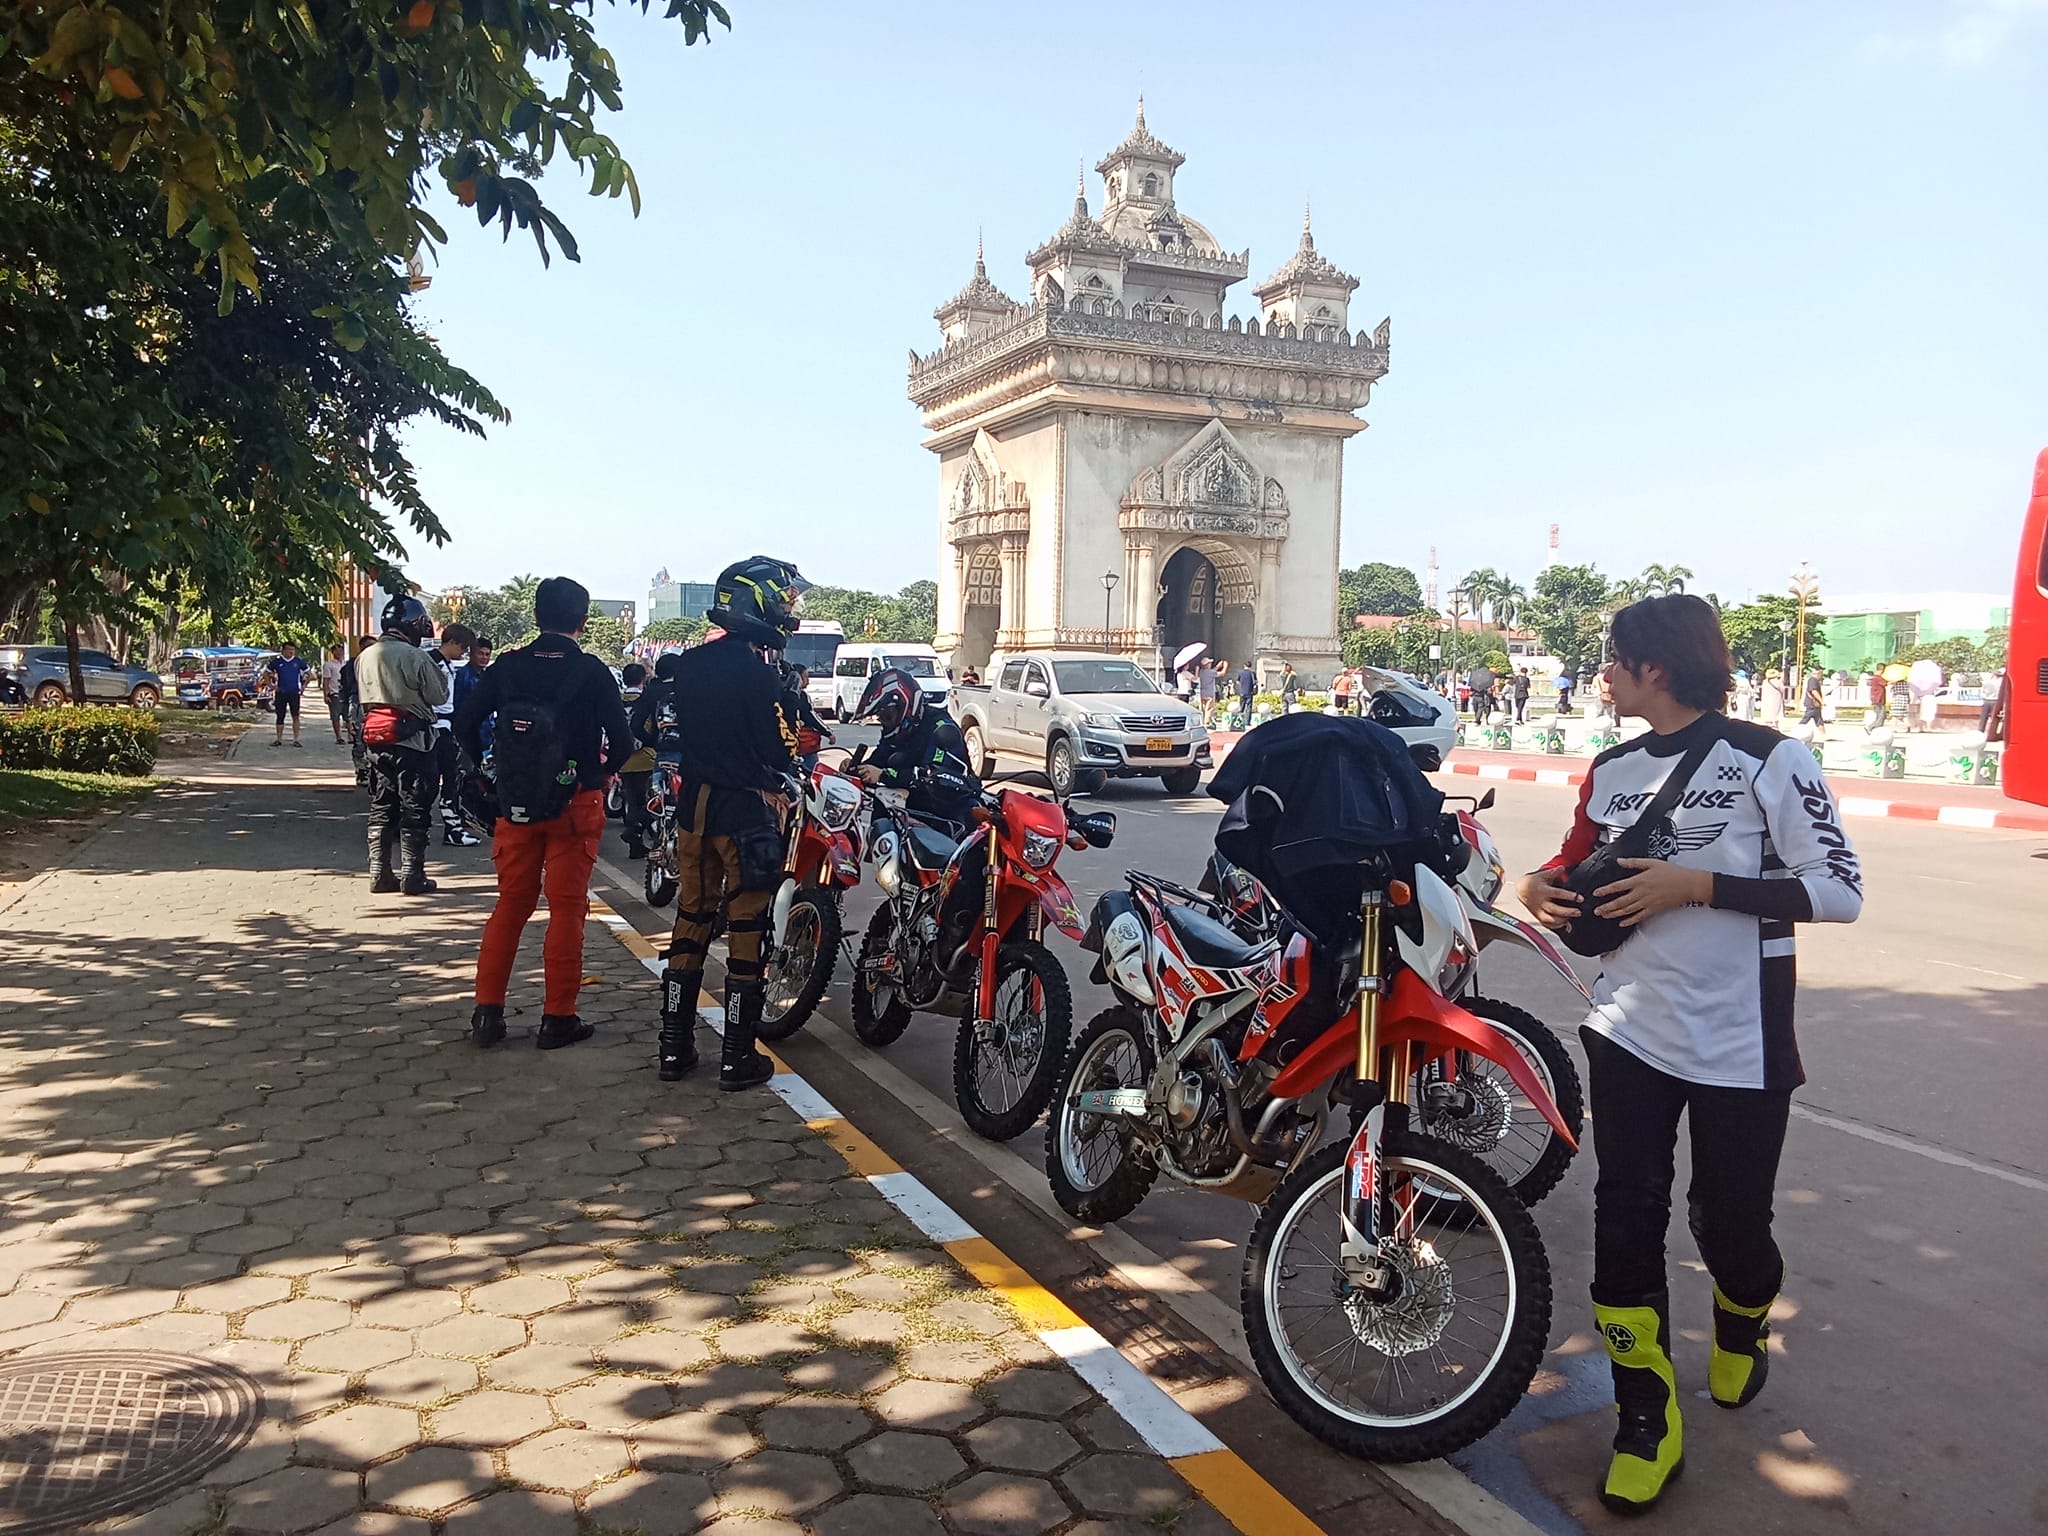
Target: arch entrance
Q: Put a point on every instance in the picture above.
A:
(1206, 597)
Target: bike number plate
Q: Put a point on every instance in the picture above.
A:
(1158, 743)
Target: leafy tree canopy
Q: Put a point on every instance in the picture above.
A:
(1565, 612)
(1755, 639)
(911, 616)
(1377, 588)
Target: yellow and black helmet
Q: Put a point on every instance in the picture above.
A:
(757, 600)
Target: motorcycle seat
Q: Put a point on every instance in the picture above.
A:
(1208, 942)
(928, 847)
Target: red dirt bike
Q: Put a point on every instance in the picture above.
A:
(821, 864)
(961, 930)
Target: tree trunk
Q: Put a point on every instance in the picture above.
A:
(72, 662)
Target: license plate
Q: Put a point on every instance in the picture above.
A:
(1158, 743)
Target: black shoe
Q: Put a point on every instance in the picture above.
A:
(458, 837)
(740, 1066)
(382, 844)
(678, 1044)
(560, 1029)
(487, 1024)
(414, 881)
(382, 881)
(418, 885)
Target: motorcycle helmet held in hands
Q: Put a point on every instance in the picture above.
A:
(756, 600)
(892, 697)
(409, 616)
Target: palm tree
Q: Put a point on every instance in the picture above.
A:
(1628, 590)
(1509, 600)
(1482, 590)
(1660, 580)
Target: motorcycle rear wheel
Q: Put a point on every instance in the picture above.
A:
(810, 938)
(1097, 1169)
(1002, 1086)
(656, 883)
(1418, 1401)
(880, 1015)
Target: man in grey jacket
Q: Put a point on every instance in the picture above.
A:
(400, 689)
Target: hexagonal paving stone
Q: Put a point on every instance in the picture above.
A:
(1003, 1504)
(728, 1388)
(407, 1309)
(983, 1317)
(780, 1482)
(541, 1367)
(26, 1308)
(841, 1372)
(521, 1296)
(941, 1405)
(748, 1525)
(515, 1512)
(613, 1402)
(656, 1352)
(950, 1361)
(354, 1349)
(765, 1340)
(122, 1306)
(191, 1219)
(879, 1514)
(897, 1459)
(1125, 1485)
(882, 1290)
(296, 1320)
(431, 1481)
(563, 1262)
(814, 1424)
(572, 1459)
(420, 1380)
(655, 1504)
(238, 1295)
(473, 1336)
(356, 1436)
(870, 1325)
(691, 1442)
(583, 1323)
(292, 1499)
(370, 1522)
(1030, 1389)
(491, 1418)
(1022, 1445)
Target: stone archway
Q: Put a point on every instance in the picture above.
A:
(981, 607)
(1208, 593)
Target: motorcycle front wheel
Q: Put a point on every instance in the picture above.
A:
(880, 1015)
(1098, 1171)
(1441, 1361)
(1004, 1077)
(657, 878)
(800, 968)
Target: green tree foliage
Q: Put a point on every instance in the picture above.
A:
(911, 616)
(1403, 648)
(1377, 588)
(1660, 580)
(684, 631)
(605, 638)
(328, 115)
(1565, 612)
(503, 615)
(1755, 639)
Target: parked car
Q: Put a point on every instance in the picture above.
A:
(1084, 717)
(43, 673)
(855, 664)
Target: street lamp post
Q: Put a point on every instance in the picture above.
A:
(1109, 581)
(1805, 587)
(1785, 658)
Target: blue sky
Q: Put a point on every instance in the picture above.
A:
(1724, 286)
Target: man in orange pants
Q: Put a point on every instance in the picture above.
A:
(560, 734)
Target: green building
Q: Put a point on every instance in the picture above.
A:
(1876, 627)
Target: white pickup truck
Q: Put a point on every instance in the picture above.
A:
(1086, 719)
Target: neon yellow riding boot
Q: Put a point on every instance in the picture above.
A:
(1742, 1356)
(1649, 1444)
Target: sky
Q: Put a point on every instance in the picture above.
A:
(1726, 286)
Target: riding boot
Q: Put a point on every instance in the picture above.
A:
(739, 1064)
(454, 833)
(1649, 1443)
(382, 841)
(560, 1029)
(679, 991)
(412, 842)
(487, 1024)
(1742, 1355)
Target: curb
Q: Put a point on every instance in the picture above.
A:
(1222, 1477)
(1980, 817)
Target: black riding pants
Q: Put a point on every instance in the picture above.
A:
(1737, 1136)
(448, 774)
(402, 784)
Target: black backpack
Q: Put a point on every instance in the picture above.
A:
(535, 774)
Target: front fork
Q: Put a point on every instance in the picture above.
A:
(1379, 1103)
(991, 940)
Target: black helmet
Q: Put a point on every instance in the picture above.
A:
(757, 601)
(667, 665)
(892, 697)
(409, 615)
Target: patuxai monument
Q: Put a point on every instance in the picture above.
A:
(1123, 465)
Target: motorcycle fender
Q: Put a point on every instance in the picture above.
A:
(1491, 926)
(778, 911)
(1058, 904)
(1415, 1013)
(842, 862)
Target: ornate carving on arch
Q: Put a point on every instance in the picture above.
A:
(983, 579)
(1208, 485)
(986, 502)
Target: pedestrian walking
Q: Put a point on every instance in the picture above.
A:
(1997, 695)
(561, 733)
(289, 672)
(451, 654)
(400, 687)
(1565, 682)
(330, 688)
(1812, 701)
(1247, 690)
(1205, 690)
(1290, 690)
(1519, 691)
(1340, 691)
(1879, 704)
(1693, 1013)
(1745, 695)
(1774, 699)
(728, 835)
(1480, 680)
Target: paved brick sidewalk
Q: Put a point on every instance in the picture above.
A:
(501, 1291)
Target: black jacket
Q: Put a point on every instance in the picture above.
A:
(930, 760)
(737, 735)
(653, 713)
(580, 688)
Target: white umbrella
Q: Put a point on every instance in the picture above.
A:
(1188, 653)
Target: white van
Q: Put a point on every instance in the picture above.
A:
(858, 663)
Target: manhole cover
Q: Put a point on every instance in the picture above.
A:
(106, 1431)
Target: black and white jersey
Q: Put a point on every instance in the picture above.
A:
(1705, 992)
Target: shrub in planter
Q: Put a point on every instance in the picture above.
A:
(84, 740)
(1315, 703)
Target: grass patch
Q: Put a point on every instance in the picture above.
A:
(201, 732)
(45, 794)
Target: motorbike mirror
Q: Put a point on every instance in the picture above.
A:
(1485, 801)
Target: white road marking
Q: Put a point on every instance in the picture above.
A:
(932, 1216)
(1978, 970)
(803, 1098)
(1967, 816)
(1922, 1149)
(1166, 1426)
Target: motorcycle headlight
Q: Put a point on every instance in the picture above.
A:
(1040, 849)
(838, 804)
(1456, 971)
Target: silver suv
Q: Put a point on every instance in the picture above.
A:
(43, 674)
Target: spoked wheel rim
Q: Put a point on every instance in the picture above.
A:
(1007, 1058)
(794, 959)
(1436, 1345)
(1493, 1119)
(1092, 1147)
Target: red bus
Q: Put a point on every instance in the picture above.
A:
(2025, 766)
